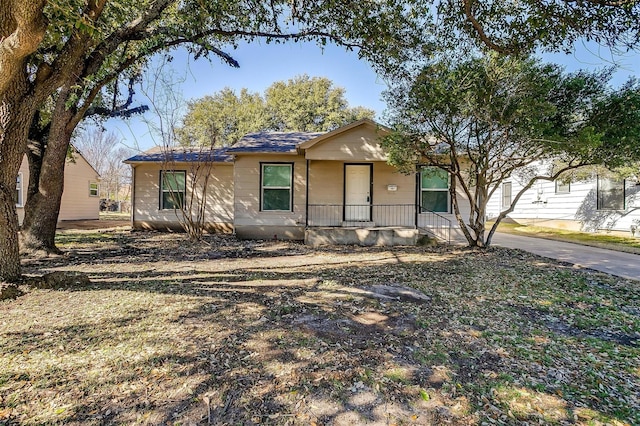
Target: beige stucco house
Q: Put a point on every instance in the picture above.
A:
(324, 188)
(151, 201)
(80, 198)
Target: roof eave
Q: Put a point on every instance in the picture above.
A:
(135, 162)
(264, 153)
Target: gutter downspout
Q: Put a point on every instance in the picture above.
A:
(306, 198)
(133, 195)
(417, 199)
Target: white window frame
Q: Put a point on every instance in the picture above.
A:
(289, 188)
(560, 187)
(504, 197)
(97, 194)
(423, 190)
(169, 190)
(19, 190)
(599, 193)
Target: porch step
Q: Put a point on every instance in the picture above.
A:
(444, 234)
(358, 224)
(361, 236)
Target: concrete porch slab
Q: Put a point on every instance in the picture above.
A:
(381, 236)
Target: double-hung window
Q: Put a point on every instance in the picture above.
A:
(506, 195)
(563, 187)
(94, 190)
(19, 199)
(434, 190)
(276, 184)
(172, 189)
(610, 194)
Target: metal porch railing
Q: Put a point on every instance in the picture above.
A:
(435, 225)
(379, 215)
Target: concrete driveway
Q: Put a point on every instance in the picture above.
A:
(617, 263)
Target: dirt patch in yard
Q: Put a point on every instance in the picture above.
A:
(269, 332)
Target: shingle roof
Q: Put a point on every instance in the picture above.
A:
(178, 155)
(272, 142)
(261, 142)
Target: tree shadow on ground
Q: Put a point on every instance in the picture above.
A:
(298, 343)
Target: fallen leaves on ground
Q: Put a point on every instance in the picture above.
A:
(271, 332)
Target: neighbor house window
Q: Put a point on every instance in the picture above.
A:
(93, 189)
(506, 195)
(276, 186)
(610, 194)
(172, 190)
(563, 187)
(434, 190)
(19, 201)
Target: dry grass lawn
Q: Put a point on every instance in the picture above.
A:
(268, 332)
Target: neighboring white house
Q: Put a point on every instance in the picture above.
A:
(80, 199)
(599, 203)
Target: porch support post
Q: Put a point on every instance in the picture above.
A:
(417, 200)
(133, 196)
(306, 207)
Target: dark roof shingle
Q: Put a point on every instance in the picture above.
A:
(180, 155)
(272, 142)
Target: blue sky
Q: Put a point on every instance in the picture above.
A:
(262, 64)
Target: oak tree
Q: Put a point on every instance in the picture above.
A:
(224, 117)
(88, 43)
(304, 104)
(485, 119)
(46, 45)
(309, 104)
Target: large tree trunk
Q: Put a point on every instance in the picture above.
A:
(481, 209)
(10, 156)
(42, 208)
(38, 135)
(15, 118)
(35, 151)
(22, 27)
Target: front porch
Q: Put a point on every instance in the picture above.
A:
(373, 224)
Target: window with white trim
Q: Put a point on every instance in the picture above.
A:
(563, 187)
(434, 190)
(276, 184)
(610, 194)
(506, 195)
(19, 193)
(172, 189)
(94, 189)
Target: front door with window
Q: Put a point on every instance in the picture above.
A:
(357, 192)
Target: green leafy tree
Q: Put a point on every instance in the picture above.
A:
(616, 118)
(45, 45)
(87, 44)
(488, 118)
(309, 104)
(224, 117)
(529, 25)
(306, 104)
